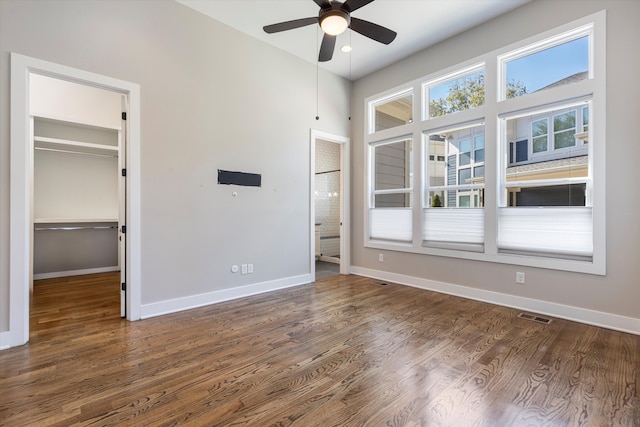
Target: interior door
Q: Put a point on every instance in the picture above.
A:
(122, 195)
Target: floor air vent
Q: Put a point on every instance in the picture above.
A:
(535, 318)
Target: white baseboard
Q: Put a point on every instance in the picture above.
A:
(329, 259)
(591, 317)
(5, 340)
(68, 273)
(194, 301)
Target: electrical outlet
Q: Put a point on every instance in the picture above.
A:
(250, 268)
(234, 268)
(380, 257)
(520, 277)
(244, 269)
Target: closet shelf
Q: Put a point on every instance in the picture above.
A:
(56, 144)
(72, 220)
(73, 123)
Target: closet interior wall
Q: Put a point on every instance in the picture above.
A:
(75, 181)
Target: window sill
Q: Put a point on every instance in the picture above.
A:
(594, 266)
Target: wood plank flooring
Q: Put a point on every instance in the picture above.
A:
(343, 351)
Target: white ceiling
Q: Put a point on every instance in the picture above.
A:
(419, 24)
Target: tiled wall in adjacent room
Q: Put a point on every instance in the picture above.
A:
(327, 196)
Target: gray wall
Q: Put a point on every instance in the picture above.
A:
(618, 292)
(211, 98)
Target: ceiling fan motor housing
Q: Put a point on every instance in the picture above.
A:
(337, 13)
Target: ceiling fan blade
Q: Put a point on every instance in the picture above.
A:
(324, 4)
(373, 31)
(351, 5)
(289, 25)
(326, 48)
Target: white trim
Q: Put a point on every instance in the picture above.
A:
(5, 340)
(19, 205)
(186, 303)
(21, 188)
(590, 317)
(345, 186)
(55, 274)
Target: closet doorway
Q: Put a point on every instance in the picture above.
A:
(46, 126)
(78, 136)
(330, 209)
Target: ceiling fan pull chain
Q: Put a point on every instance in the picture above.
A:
(317, 78)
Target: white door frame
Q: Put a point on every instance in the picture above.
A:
(345, 212)
(21, 187)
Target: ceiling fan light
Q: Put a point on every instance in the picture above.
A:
(334, 22)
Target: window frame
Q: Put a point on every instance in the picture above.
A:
(491, 114)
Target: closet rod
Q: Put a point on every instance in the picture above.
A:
(99, 227)
(75, 152)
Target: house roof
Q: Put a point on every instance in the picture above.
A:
(570, 163)
(583, 75)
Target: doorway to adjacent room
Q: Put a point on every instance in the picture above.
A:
(329, 204)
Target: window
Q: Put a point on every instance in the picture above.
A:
(463, 170)
(392, 112)
(478, 147)
(564, 130)
(540, 135)
(545, 201)
(455, 186)
(546, 205)
(564, 136)
(547, 65)
(528, 187)
(391, 177)
(585, 119)
(444, 93)
(547, 174)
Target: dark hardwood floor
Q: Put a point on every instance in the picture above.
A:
(343, 351)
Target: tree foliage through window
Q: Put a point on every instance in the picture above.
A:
(469, 93)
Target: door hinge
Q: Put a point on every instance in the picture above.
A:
(124, 172)
(124, 115)
(124, 229)
(124, 287)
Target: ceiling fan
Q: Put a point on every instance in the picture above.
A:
(334, 18)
